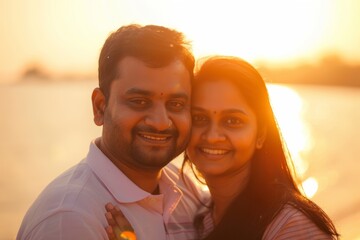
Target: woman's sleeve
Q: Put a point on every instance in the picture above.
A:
(291, 223)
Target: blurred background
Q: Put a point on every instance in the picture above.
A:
(307, 50)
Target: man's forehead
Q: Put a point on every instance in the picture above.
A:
(134, 76)
(129, 63)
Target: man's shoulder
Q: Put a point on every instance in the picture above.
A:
(71, 188)
(75, 192)
(63, 225)
(69, 182)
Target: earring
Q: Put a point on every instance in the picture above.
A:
(259, 144)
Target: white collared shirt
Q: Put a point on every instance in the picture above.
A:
(73, 205)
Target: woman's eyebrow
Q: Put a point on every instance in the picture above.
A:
(235, 110)
(179, 95)
(227, 111)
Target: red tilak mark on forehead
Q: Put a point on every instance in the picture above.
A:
(161, 94)
(214, 112)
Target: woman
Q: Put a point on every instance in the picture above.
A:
(237, 147)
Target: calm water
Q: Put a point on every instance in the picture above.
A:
(46, 128)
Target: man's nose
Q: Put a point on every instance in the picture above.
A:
(158, 118)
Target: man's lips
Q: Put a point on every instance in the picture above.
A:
(155, 137)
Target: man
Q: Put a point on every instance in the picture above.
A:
(143, 106)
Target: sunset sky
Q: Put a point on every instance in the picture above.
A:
(65, 36)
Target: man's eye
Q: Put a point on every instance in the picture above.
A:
(176, 105)
(138, 103)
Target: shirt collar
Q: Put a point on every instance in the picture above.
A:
(120, 186)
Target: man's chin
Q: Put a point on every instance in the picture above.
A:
(153, 160)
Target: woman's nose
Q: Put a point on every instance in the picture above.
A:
(214, 134)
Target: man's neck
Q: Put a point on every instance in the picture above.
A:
(146, 179)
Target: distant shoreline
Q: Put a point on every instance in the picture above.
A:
(331, 71)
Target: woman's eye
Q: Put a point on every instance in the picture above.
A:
(233, 122)
(199, 119)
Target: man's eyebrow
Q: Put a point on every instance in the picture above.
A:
(138, 91)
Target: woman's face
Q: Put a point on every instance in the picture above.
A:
(224, 129)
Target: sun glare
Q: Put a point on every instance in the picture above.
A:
(274, 32)
(287, 106)
(310, 187)
(278, 31)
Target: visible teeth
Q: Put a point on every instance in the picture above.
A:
(154, 138)
(214, 151)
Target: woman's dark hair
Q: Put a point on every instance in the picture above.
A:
(156, 46)
(271, 184)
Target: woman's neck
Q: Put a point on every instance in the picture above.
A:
(224, 190)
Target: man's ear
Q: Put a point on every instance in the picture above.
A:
(261, 138)
(98, 104)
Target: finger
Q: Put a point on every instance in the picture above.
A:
(110, 219)
(110, 233)
(109, 206)
(121, 220)
(114, 210)
(120, 227)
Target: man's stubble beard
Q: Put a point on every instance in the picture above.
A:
(149, 158)
(135, 155)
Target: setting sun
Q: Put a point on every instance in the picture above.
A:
(66, 36)
(274, 31)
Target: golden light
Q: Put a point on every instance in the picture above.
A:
(273, 31)
(310, 187)
(287, 106)
(67, 36)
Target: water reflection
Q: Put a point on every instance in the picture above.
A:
(310, 186)
(288, 108)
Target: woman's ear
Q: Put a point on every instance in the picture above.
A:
(261, 138)
(98, 104)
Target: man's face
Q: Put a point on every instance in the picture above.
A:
(146, 121)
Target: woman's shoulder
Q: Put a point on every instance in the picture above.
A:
(291, 223)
